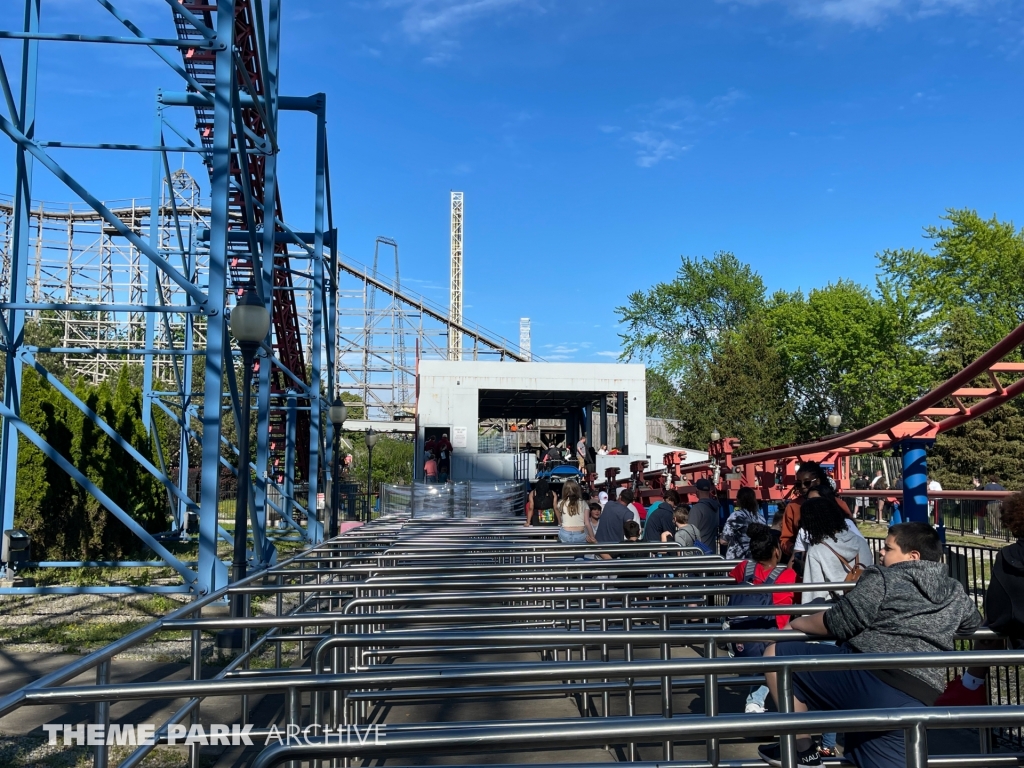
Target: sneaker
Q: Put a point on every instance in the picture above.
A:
(957, 695)
(772, 754)
(753, 708)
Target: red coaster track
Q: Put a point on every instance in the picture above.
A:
(771, 470)
(287, 340)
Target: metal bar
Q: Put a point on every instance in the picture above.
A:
(129, 522)
(15, 320)
(63, 37)
(107, 215)
(213, 572)
(598, 731)
(119, 147)
(102, 715)
(314, 526)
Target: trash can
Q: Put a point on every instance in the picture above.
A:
(17, 547)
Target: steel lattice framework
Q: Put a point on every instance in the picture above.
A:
(170, 279)
(455, 300)
(152, 282)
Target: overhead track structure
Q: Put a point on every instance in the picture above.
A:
(380, 322)
(195, 263)
(987, 383)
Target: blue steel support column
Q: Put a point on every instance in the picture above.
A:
(151, 286)
(915, 479)
(314, 525)
(15, 320)
(289, 453)
(268, 555)
(213, 572)
(186, 400)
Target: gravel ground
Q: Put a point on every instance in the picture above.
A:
(83, 623)
(34, 752)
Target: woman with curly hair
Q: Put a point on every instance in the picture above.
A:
(1004, 608)
(734, 534)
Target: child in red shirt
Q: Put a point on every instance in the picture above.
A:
(765, 553)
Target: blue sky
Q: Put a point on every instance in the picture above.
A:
(598, 140)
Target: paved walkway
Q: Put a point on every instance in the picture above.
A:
(19, 669)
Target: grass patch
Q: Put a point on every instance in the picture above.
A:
(72, 638)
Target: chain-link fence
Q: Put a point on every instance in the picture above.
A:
(477, 499)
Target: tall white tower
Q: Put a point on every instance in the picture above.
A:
(455, 305)
(524, 338)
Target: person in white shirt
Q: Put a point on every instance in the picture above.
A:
(603, 450)
(933, 485)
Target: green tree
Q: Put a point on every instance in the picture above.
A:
(993, 443)
(65, 521)
(677, 326)
(741, 392)
(974, 263)
(967, 292)
(392, 461)
(842, 347)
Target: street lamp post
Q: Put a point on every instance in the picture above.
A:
(834, 420)
(338, 412)
(715, 435)
(249, 324)
(371, 440)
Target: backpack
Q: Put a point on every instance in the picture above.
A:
(853, 570)
(694, 541)
(754, 600)
(1004, 598)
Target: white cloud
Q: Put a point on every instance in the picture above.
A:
(438, 23)
(669, 126)
(867, 13)
(609, 128)
(655, 147)
(608, 353)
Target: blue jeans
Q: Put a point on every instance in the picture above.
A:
(851, 689)
(758, 695)
(572, 537)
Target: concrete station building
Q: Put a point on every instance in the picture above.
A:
(458, 397)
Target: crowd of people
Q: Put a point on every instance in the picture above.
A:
(906, 602)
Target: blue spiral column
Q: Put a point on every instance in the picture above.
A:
(915, 479)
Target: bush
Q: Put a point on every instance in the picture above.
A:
(64, 520)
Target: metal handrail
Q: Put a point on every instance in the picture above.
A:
(599, 732)
(364, 571)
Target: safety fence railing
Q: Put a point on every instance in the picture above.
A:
(962, 513)
(403, 611)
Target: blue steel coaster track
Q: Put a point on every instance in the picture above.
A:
(287, 338)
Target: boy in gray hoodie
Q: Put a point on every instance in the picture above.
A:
(908, 605)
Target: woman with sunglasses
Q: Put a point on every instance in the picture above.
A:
(809, 476)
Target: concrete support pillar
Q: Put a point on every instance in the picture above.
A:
(571, 431)
(603, 421)
(915, 479)
(620, 412)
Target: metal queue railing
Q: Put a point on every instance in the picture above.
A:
(424, 591)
